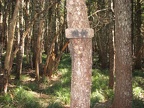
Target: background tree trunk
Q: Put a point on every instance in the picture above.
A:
(1, 40)
(138, 38)
(111, 45)
(38, 47)
(20, 42)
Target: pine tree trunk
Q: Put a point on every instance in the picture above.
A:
(81, 53)
(123, 88)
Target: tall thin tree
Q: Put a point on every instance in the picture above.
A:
(11, 32)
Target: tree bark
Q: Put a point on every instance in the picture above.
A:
(38, 47)
(123, 88)
(138, 37)
(81, 53)
(1, 43)
(102, 36)
(38, 32)
(11, 32)
(111, 46)
(20, 43)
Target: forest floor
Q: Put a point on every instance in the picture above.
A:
(55, 92)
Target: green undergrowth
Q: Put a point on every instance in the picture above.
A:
(55, 93)
(138, 89)
(100, 90)
(19, 97)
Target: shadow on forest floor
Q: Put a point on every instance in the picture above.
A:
(55, 93)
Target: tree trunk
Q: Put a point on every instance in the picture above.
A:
(80, 46)
(20, 43)
(1, 42)
(38, 47)
(138, 37)
(11, 32)
(1, 47)
(38, 26)
(102, 36)
(123, 88)
(111, 46)
(111, 60)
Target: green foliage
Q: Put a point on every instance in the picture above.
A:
(100, 90)
(55, 105)
(61, 89)
(138, 73)
(138, 103)
(64, 95)
(25, 97)
(65, 62)
(6, 98)
(32, 86)
(138, 89)
(138, 92)
(24, 94)
(19, 98)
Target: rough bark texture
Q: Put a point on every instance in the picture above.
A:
(123, 89)
(81, 53)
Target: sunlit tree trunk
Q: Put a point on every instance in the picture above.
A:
(81, 53)
(11, 32)
(123, 88)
